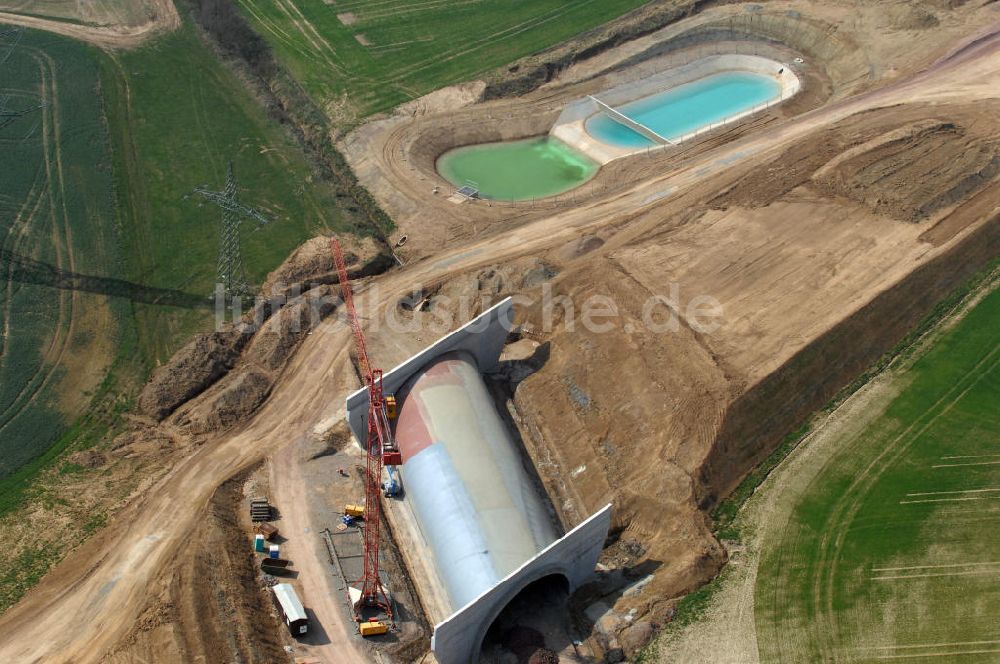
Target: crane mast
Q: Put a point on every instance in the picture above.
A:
(380, 448)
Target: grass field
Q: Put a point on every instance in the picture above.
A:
(101, 199)
(56, 215)
(178, 117)
(96, 214)
(97, 12)
(891, 551)
(357, 57)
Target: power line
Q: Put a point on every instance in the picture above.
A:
(12, 36)
(16, 32)
(8, 115)
(231, 273)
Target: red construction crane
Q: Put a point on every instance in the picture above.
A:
(380, 447)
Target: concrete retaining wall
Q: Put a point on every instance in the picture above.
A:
(459, 638)
(483, 337)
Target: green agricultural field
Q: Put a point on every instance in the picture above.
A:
(178, 116)
(357, 57)
(56, 218)
(108, 258)
(893, 550)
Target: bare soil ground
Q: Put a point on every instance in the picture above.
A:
(813, 284)
(219, 580)
(727, 631)
(121, 24)
(848, 208)
(847, 48)
(334, 636)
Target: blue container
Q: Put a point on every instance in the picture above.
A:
(273, 553)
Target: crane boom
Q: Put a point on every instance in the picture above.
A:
(348, 296)
(372, 377)
(379, 439)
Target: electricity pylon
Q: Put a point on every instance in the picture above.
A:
(231, 274)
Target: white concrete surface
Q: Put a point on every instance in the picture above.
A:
(483, 337)
(459, 638)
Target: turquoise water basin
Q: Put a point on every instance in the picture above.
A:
(686, 108)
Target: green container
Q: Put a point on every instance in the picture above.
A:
(258, 543)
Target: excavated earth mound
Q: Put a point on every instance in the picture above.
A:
(663, 414)
(909, 174)
(227, 402)
(237, 395)
(280, 321)
(312, 264)
(281, 334)
(906, 173)
(191, 370)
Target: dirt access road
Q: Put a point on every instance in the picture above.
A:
(163, 18)
(83, 607)
(331, 640)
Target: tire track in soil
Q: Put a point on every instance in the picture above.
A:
(11, 242)
(323, 48)
(11, 289)
(849, 505)
(68, 301)
(164, 18)
(29, 392)
(524, 26)
(272, 26)
(83, 605)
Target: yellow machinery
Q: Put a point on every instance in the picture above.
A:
(372, 628)
(354, 510)
(390, 406)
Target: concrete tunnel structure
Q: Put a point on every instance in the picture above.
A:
(484, 520)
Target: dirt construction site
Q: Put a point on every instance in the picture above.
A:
(820, 230)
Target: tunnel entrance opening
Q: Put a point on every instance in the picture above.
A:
(534, 627)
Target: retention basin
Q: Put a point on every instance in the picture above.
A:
(517, 170)
(687, 108)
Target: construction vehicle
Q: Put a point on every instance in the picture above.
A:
(372, 628)
(392, 487)
(380, 448)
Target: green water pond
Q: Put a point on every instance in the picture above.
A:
(517, 170)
